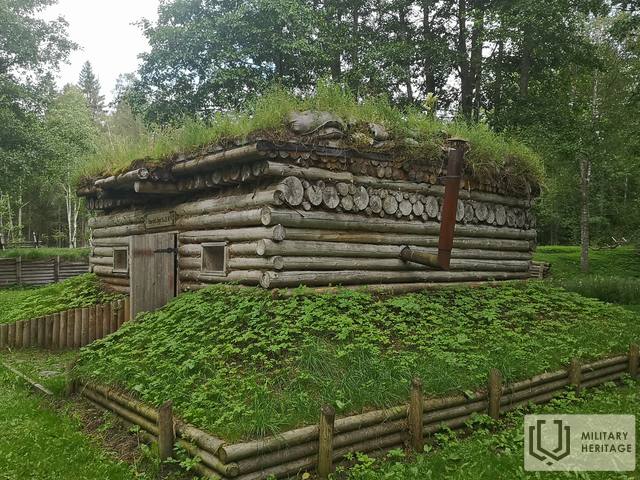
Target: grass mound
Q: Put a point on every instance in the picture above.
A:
(26, 303)
(244, 364)
(414, 135)
(46, 253)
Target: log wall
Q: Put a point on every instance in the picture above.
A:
(318, 230)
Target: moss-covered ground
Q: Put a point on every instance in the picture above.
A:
(245, 364)
(19, 303)
(46, 253)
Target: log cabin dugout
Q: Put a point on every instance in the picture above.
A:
(290, 214)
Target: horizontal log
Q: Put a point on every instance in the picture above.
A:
(520, 248)
(115, 288)
(110, 242)
(95, 260)
(122, 281)
(276, 233)
(117, 219)
(102, 252)
(534, 381)
(155, 188)
(125, 179)
(520, 395)
(121, 410)
(333, 221)
(212, 161)
(291, 279)
(208, 459)
(438, 416)
(607, 362)
(200, 438)
(121, 231)
(349, 263)
(603, 379)
(136, 406)
(279, 169)
(246, 277)
(247, 218)
(604, 371)
(272, 196)
(108, 272)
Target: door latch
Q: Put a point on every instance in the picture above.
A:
(166, 250)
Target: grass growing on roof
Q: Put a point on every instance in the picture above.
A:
(244, 364)
(46, 253)
(26, 303)
(490, 152)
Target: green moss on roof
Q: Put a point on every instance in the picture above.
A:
(413, 135)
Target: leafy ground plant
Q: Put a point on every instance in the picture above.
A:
(495, 451)
(247, 364)
(26, 303)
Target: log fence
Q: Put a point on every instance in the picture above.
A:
(71, 329)
(322, 446)
(14, 271)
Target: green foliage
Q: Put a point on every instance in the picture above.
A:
(46, 253)
(495, 451)
(491, 155)
(246, 364)
(41, 443)
(614, 273)
(23, 304)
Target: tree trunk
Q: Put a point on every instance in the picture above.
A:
(525, 65)
(477, 43)
(585, 178)
(466, 82)
(427, 38)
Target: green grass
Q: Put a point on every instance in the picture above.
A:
(46, 253)
(491, 155)
(26, 303)
(39, 443)
(614, 275)
(497, 454)
(245, 364)
(44, 367)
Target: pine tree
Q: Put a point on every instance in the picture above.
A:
(90, 87)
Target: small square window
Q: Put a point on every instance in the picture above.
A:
(121, 260)
(214, 258)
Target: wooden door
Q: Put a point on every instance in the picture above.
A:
(153, 271)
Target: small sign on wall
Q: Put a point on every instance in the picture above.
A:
(159, 220)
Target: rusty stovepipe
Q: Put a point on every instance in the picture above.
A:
(455, 167)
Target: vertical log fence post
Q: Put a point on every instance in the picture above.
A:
(33, 340)
(99, 314)
(26, 334)
(84, 336)
(634, 355)
(166, 430)
(77, 328)
(416, 411)
(4, 332)
(56, 269)
(41, 331)
(575, 374)
(325, 437)
(114, 316)
(92, 324)
(56, 332)
(120, 313)
(19, 329)
(106, 319)
(11, 340)
(63, 330)
(49, 332)
(495, 393)
(127, 309)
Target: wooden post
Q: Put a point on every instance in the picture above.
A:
(26, 333)
(19, 329)
(92, 324)
(634, 355)
(41, 331)
(99, 323)
(49, 333)
(575, 374)
(166, 431)
(127, 309)
(18, 270)
(62, 334)
(416, 411)
(11, 337)
(106, 319)
(4, 334)
(84, 336)
(77, 328)
(120, 313)
(55, 343)
(114, 317)
(325, 449)
(495, 393)
(33, 341)
(71, 319)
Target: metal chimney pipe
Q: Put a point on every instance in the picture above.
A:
(455, 168)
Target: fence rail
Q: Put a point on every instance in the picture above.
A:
(39, 272)
(71, 329)
(321, 446)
